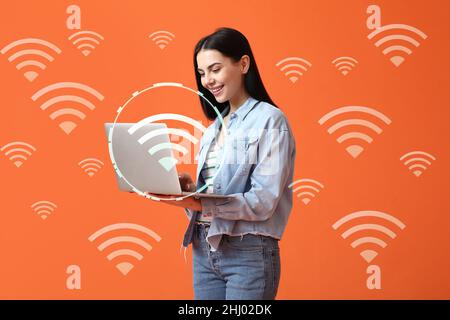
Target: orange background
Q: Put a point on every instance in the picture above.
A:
(316, 262)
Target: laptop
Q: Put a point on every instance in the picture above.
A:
(138, 167)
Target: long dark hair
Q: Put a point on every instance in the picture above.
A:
(233, 44)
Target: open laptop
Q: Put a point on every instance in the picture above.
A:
(130, 147)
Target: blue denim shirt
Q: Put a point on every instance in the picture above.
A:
(256, 169)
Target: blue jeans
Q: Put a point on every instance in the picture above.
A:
(242, 268)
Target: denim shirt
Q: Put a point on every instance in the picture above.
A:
(256, 169)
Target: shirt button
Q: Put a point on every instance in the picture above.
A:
(217, 186)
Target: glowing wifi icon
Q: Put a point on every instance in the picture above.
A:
(308, 189)
(162, 38)
(399, 45)
(31, 55)
(18, 152)
(417, 161)
(293, 67)
(345, 64)
(65, 115)
(369, 245)
(167, 162)
(123, 248)
(91, 166)
(354, 139)
(43, 208)
(86, 41)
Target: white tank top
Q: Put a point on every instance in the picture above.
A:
(208, 171)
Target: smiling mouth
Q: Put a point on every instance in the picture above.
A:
(217, 91)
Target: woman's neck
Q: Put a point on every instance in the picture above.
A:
(238, 101)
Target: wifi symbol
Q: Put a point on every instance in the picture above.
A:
(397, 46)
(345, 64)
(417, 161)
(43, 208)
(310, 186)
(354, 148)
(370, 244)
(167, 162)
(91, 166)
(66, 112)
(162, 38)
(34, 56)
(292, 67)
(86, 41)
(18, 152)
(125, 255)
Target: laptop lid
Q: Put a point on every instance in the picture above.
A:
(143, 158)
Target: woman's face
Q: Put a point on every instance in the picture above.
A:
(220, 74)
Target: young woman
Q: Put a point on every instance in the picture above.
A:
(235, 241)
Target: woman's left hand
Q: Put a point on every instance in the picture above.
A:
(188, 202)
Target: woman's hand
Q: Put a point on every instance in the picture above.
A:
(186, 182)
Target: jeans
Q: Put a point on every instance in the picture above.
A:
(243, 267)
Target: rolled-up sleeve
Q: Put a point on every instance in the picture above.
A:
(268, 180)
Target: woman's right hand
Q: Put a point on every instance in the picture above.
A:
(186, 182)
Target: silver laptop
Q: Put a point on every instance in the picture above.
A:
(143, 161)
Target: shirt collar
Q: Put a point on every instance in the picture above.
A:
(245, 108)
(241, 112)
